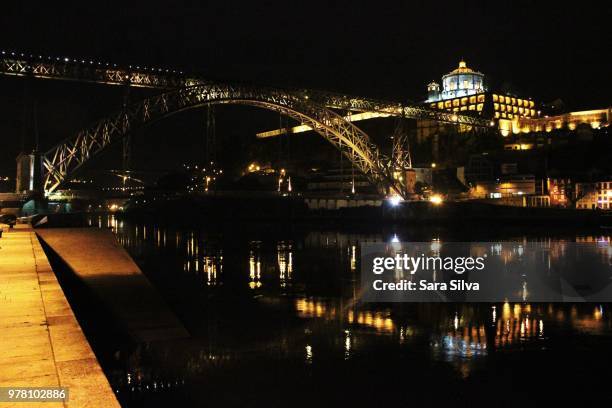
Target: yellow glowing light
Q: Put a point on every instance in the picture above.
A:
(433, 165)
(436, 199)
(253, 167)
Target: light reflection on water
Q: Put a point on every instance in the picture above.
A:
(312, 280)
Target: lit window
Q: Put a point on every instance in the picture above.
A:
(514, 109)
(497, 114)
(531, 104)
(503, 108)
(507, 100)
(440, 105)
(514, 101)
(472, 107)
(496, 106)
(455, 109)
(480, 98)
(503, 115)
(494, 98)
(479, 107)
(532, 112)
(433, 106)
(520, 110)
(464, 108)
(466, 84)
(455, 102)
(509, 116)
(519, 102)
(464, 101)
(447, 104)
(472, 99)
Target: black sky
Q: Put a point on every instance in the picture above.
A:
(388, 49)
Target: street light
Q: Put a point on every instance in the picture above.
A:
(436, 199)
(394, 200)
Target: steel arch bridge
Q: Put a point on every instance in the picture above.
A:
(316, 109)
(60, 162)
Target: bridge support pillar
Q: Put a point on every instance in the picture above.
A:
(29, 173)
(409, 180)
(407, 187)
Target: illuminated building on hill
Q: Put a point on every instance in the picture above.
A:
(594, 119)
(464, 90)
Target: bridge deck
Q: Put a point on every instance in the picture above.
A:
(96, 258)
(41, 342)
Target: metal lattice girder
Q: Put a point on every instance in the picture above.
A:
(105, 73)
(61, 161)
(88, 71)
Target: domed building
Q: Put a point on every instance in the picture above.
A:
(464, 90)
(462, 81)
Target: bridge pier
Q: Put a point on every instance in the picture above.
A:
(409, 176)
(29, 173)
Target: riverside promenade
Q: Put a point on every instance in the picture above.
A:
(41, 342)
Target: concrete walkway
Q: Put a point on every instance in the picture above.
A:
(41, 342)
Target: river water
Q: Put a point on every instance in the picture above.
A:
(276, 320)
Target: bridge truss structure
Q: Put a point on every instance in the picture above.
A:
(87, 70)
(69, 155)
(315, 109)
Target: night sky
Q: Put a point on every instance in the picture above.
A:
(545, 50)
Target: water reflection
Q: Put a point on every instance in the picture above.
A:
(294, 299)
(285, 263)
(255, 266)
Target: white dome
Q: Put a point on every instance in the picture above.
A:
(462, 81)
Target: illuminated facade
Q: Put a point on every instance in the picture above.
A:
(593, 196)
(515, 185)
(559, 190)
(508, 111)
(595, 119)
(464, 91)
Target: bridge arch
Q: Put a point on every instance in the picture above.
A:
(61, 161)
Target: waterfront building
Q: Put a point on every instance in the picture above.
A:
(337, 181)
(559, 191)
(519, 190)
(594, 195)
(508, 186)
